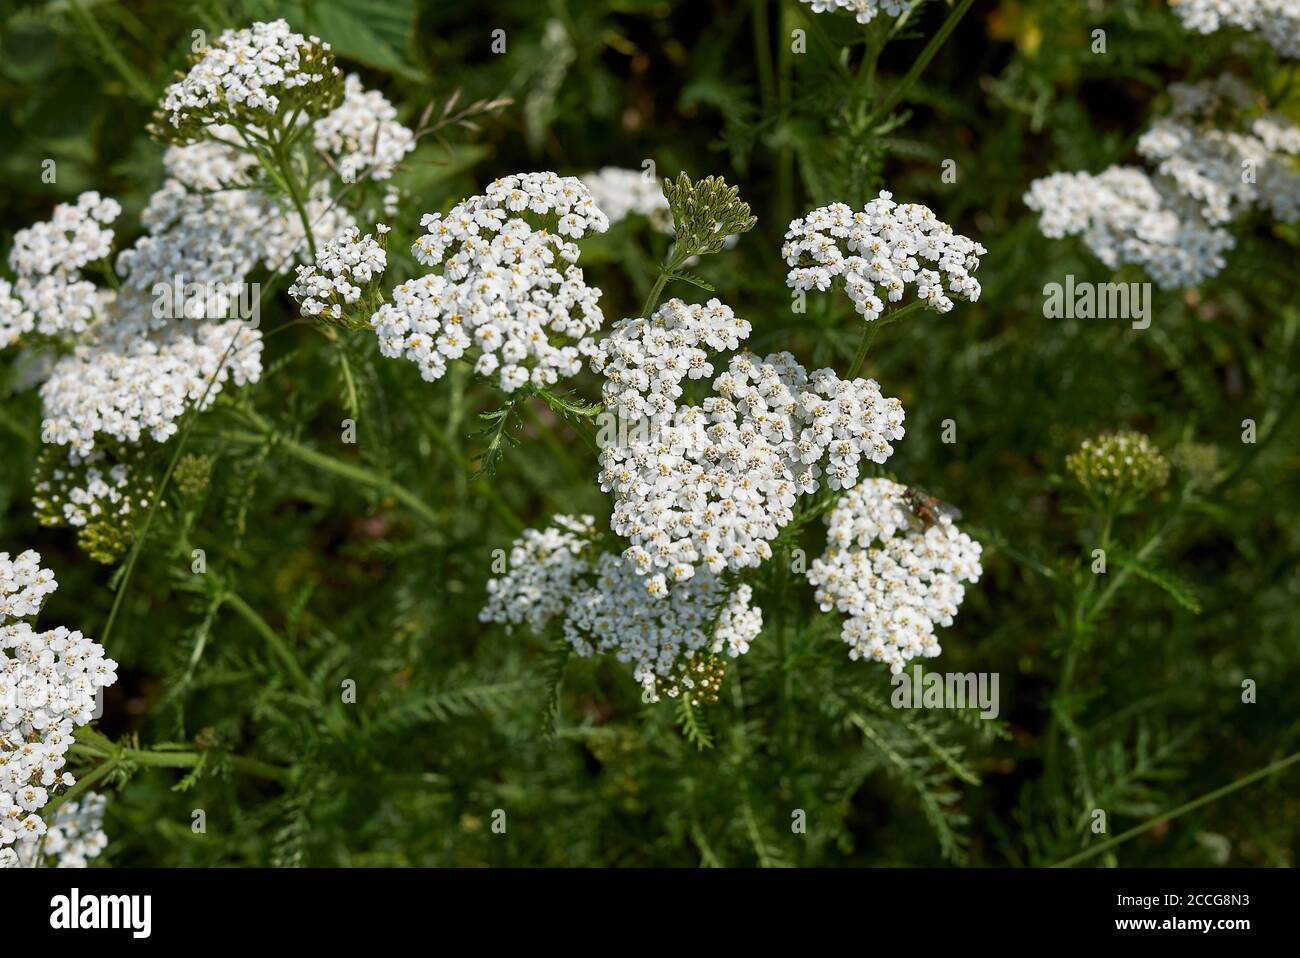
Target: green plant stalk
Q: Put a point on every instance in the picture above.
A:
(785, 86)
(278, 645)
(1059, 714)
(918, 66)
(114, 757)
(345, 470)
(872, 330)
(671, 264)
(813, 20)
(762, 52)
(1181, 810)
(295, 194)
(138, 85)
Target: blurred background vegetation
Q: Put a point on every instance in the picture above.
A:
(454, 719)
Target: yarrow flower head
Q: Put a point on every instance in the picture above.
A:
(95, 495)
(125, 385)
(362, 134)
(677, 643)
(75, 835)
(1277, 20)
(48, 684)
(1117, 469)
(48, 258)
(714, 483)
(1125, 217)
(894, 575)
(509, 294)
(343, 266)
(1217, 154)
(864, 11)
(1217, 148)
(251, 78)
(879, 252)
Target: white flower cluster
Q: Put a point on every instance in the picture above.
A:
(1226, 171)
(84, 492)
(331, 282)
(714, 483)
(656, 633)
(545, 568)
(864, 10)
(48, 684)
(206, 226)
(134, 367)
(211, 240)
(606, 609)
(15, 317)
(621, 193)
(124, 385)
(894, 578)
(1172, 224)
(363, 134)
(223, 161)
(512, 292)
(1125, 217)
(75, 836)
(47, 259)
(1277, 20)
(246, 73)
(889, 247)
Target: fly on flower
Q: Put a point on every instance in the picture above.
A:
(929, 509)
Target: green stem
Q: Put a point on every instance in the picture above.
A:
(918, 66)
(346, 470)
(137, 83)
(1169, 816)
(762, 53)
(873, 329)
(278, 645)
(785, 87)
(295, 195)
(868, 337)
(167, 759)
(670, 265)
(819, 33)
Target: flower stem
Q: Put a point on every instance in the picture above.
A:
(346, 470)
(1181, 810)
(918, 66)
(278, 645)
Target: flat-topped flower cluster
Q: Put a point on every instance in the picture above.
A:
(675, 641)
(509, 293)
(893, 576)
(713, 483)
(1216, 154)
(1278, 21)
(248, 77)
(48, 684)
(880, 251)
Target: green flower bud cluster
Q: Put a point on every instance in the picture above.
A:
(706, 213)
(1117, 469)
(99, 497)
